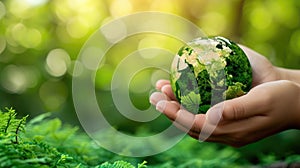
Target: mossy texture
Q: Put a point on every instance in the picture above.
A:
(209, 70)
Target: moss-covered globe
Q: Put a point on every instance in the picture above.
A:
(209, 70)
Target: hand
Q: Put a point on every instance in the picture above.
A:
(262, 69)
(270, 107)
(267, 109)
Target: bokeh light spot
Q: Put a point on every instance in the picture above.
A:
(53, 94)
(164, 5)
(13, 79)
(120, 8)
(91, 57)
(77, 27)
(79, 68)
(20, 8)
(26, 37)
(36, 2)
(115, 31)
(286, 18)
(18, 79)
(32, 39)
(260, 18)
(57, 62)
(213, 23)
(18, 31)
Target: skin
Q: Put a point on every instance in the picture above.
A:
(271, 106)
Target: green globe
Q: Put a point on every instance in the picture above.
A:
(209, 70)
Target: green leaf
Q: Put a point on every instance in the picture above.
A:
(234, 91)
(117, 164)
(191, 102)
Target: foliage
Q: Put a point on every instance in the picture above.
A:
(228, 73)
(45, 142)
(40, 41)
(60, 28)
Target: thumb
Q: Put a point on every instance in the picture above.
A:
(249, 105)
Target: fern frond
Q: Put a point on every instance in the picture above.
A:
(6, 119)
(116, 164)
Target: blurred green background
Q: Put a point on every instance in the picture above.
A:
(41, 39)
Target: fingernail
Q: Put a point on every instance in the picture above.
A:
(156, 97)
(163, 89)
(214, 115)
(161, 105)
(159, 83)
(152, 100)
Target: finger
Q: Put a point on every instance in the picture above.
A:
(160, 83)
(214, 114)
(207, 133)
(180, 127)
(158, 96)
(192, 123)
(186, 119)
(201, 129)
(210, 138)
(167, 89)
(256, 102)
(174, 112)
(170, 109)
(196, 135)
(251, 104)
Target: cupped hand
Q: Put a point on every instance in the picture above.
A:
(271, 106)
(267, 109)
